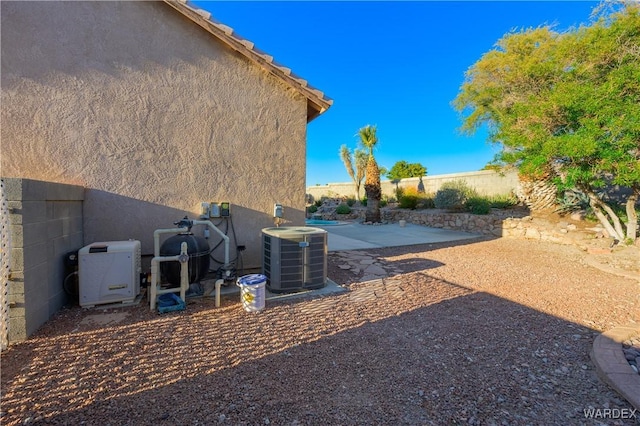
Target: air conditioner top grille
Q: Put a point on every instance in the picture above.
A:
(292, 232)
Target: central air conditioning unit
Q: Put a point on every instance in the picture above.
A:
(294, 258)
(109, 272)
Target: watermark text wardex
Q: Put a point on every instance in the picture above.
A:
(610, 413)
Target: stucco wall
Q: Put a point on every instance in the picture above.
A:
(151, 114)
(46, 224)
(486, 182)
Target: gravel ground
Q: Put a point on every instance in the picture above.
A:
(479, 333)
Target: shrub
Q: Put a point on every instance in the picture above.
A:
(343, 209)
(452, 195)
(363, 202)
(399, 192)
(383, 202)
(318, 203)
(408, 198)
(408, 201)
(449, 199)
(351, 202)
(313, 208)
(503, 201)
(478, 205)
(428, 202)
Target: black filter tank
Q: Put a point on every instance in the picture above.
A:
(198, 250)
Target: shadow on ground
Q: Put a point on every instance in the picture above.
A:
(421, 355)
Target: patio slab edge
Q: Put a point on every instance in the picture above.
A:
(611, 365)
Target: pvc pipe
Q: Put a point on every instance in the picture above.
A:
(219, 232)
(184, 270)
(183, 258)
(156, 237)
(218, 284)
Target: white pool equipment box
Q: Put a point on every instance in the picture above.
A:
(109, 272)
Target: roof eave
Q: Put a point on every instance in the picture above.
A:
(317, 102)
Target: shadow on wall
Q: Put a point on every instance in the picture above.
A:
(425, 356)
(112, 217)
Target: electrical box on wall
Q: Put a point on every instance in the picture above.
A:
(204, 209)
(214, 210)
(277, 210)
(225, 209)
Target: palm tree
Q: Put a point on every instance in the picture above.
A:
(538, 193)
(372, 188)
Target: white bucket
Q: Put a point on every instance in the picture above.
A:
(252, 292)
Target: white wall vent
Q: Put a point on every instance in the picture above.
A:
(294, 258)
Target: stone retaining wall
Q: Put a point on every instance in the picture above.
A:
(500, 223)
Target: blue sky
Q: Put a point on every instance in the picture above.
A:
(396, 65)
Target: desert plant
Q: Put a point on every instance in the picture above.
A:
(503, 201)
(312, 208)
(409, 199)
(351, 201)
(572, 201)
(318, 203)
(427, 201)
(343, 209)
(452, 195)
(390, 199)
(478, 205)
(356, 164)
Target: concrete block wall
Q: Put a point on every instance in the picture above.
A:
(46, 223)
(486, 182)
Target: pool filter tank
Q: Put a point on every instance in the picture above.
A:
(198, 250)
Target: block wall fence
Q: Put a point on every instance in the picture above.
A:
(486, 182)
(45, 224)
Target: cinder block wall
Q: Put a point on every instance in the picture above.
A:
(46, 223)
(486, 182)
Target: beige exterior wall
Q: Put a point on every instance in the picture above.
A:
(152, 115)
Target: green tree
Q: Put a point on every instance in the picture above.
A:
(356, 164)
(566, 105)
(369, 139)
(403, 169)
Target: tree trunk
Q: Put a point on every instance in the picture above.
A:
(610, 221)
(373, 191)
(632, 216)
(373, 203)
(538, 194)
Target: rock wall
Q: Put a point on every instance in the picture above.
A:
(514, 223)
